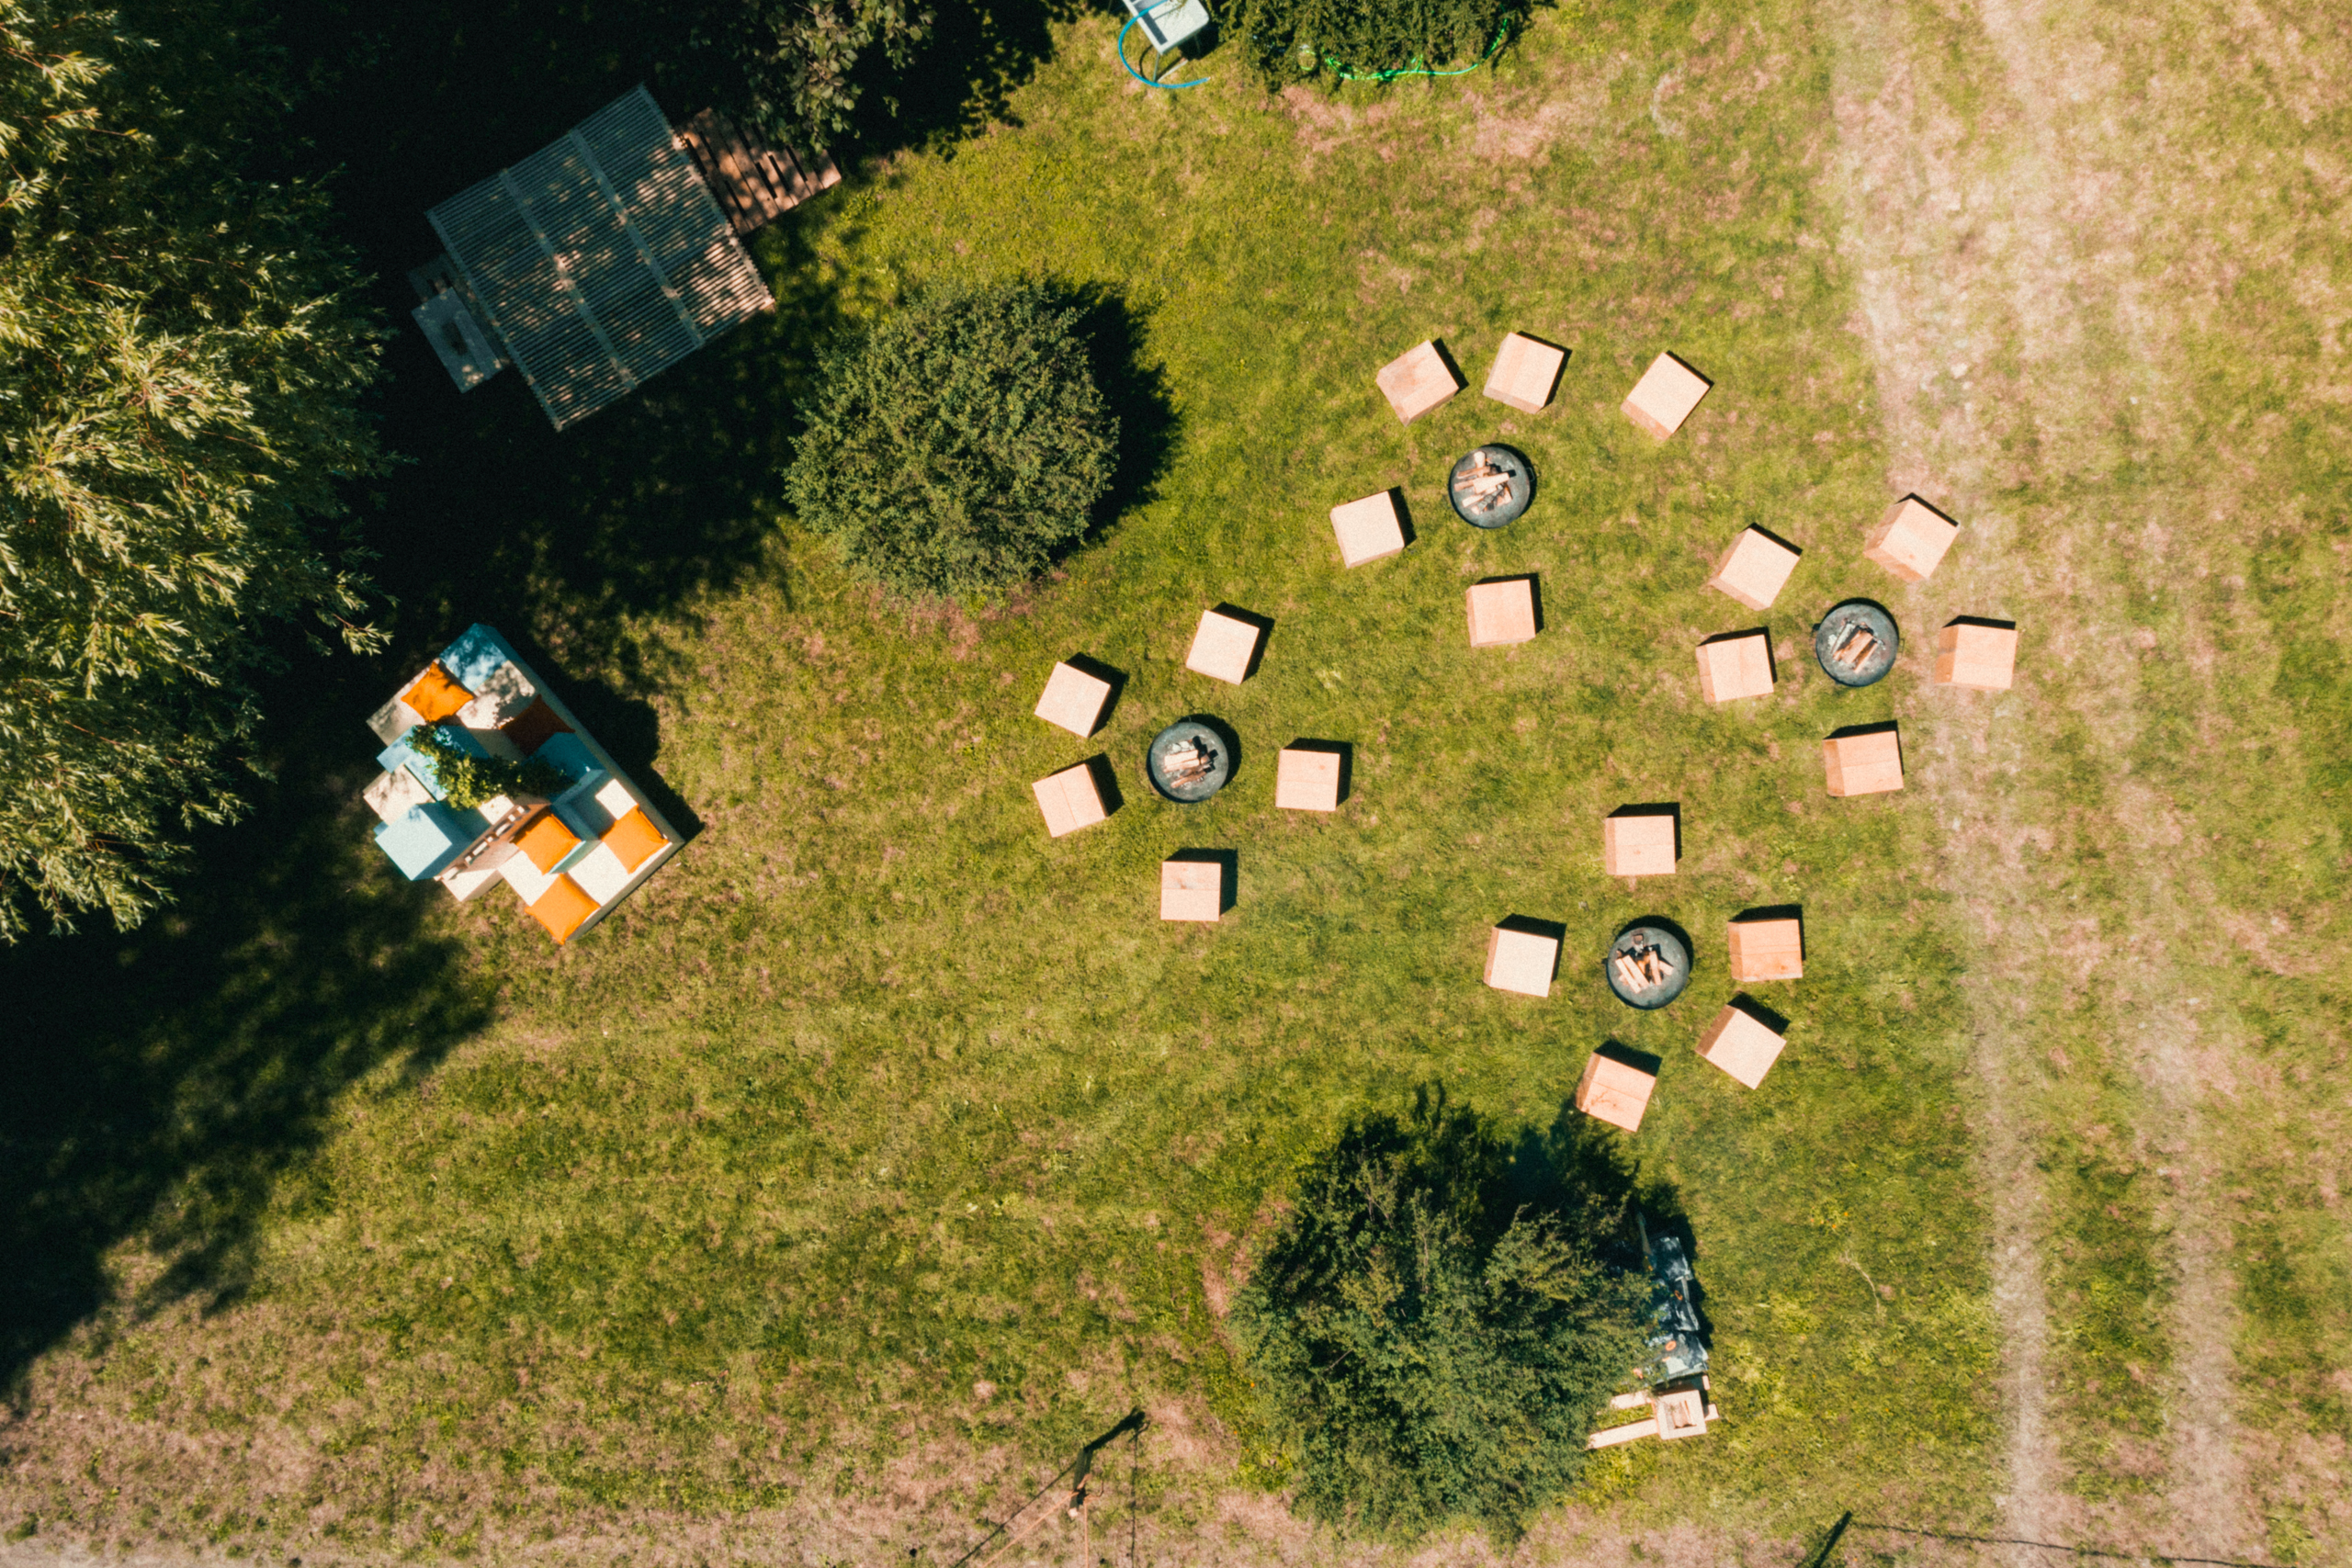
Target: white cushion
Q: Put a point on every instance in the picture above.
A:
(394, 719)
(527, 880)
(390, 796)
(600, 873)
(503, 694)
(615, 799)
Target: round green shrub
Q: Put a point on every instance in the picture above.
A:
(1293, 40)
(960, 446)
(1431, 1330)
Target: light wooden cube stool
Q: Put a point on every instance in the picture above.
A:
(1755, 569)
(1682, 1414)
(1307, 780)
(1190, 890)
(1222, 647)
(1637, 844)
(1369, 530)
(1071, 800)
(1980, 655)
(1665, 396)
(1767, 950)
(1417, 381)
(1742, 1045)
(1522, 961)
(1615, 1091)
(1073, 699)
(1501, 612)
(1910, 539)
(1525, 372)
(1734, 666)
(1869, 763)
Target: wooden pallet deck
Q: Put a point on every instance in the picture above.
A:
(754, 183)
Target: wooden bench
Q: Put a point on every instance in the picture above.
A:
(754, 183)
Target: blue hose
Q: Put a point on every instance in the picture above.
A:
(1163, 87)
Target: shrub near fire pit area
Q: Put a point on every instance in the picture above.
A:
(958, 446)
(1432, 1325)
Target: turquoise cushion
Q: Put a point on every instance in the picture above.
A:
(424, 840)
(578, 809)
(567, 752)
(475, 656)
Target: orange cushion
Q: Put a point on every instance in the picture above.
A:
(562, 906)
(547, 841)
(633, 837)
(434, 694)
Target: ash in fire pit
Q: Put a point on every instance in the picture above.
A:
(1189, 761)
(1648, 965)
(1491, 486)
(1855, 643)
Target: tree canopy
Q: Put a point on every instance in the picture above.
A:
(797, 62)
(961, 444)
(1439, 1321)
(180, 361)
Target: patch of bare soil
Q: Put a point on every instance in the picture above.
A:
(2036, 227)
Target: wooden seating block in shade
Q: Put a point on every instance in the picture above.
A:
(1637, 844)
(1736, 666)
(1525, 372)
(1191, 889)
(1742, 1045)
(1911, 539)
(1754, 568)
(1501, 612)
(1522, 961)
(1665, 396)
(1771, 949)
(1368, 530)
(1980, 655)
(1307, 780)
(1073, 699)
(1615, 1091)
(562, 909)
(1869, 763)
(435, 695)
(1071, 800)
(1417, 381)
(1222, 647)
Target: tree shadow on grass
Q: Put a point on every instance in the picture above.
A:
(963, 82)
(163, 1080)
(1135, 390)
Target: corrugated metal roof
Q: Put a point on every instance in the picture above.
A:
(602, 260)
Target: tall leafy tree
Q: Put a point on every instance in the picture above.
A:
(180, 362)
(798, 62)
(1436, 1325)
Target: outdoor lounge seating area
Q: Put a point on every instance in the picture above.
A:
(573, 854)
(1856, 643)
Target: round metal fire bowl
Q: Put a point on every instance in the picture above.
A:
(1670, 948)
(1515, 501)
(1220, 748)
(1839, 624)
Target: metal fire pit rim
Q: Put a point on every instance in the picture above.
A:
(1511, 457)
(1678, 955)
(1829, 631)
(1190, 726)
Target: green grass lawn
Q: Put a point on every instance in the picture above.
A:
(883, 1149)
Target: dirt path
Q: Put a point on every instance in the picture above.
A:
(2023, 266)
